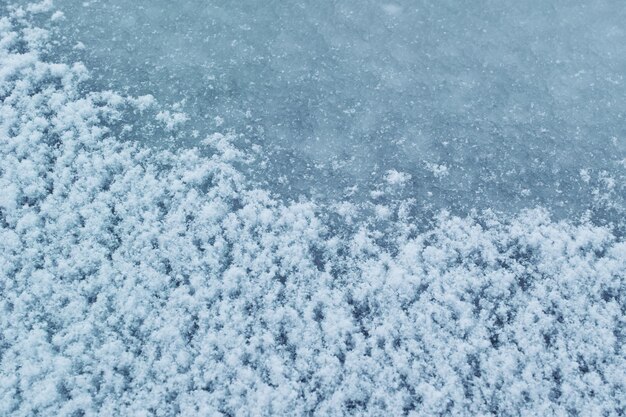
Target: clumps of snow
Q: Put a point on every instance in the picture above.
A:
(171, 119)
(348, 211)
(584, 175)
(438, 170)
(57, 16)
(138, 282)
(382, 212)
(143, 103)
(41, 7)
(35, 37)
(397, 178)
(224, 145)
(376, 194)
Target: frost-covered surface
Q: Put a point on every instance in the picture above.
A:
(143, 282)
(499, 105)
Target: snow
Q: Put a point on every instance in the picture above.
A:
(143, 281)
(171, 120)
(394, 177)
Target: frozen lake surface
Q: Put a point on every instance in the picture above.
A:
(322, 208)
(504, 106)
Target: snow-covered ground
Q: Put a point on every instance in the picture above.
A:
(156, 257)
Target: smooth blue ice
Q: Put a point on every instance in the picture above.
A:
(503, 105)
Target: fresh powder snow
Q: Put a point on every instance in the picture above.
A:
(160, 258)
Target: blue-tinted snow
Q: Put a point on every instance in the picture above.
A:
(141, 281)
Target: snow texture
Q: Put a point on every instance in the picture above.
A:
(147, 282)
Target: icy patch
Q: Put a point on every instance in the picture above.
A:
(511, 104)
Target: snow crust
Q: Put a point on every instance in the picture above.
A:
(142, 282)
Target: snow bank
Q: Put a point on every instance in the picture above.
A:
(137, 283)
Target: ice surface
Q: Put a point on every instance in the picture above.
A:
(512, 99)
(137, 280)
